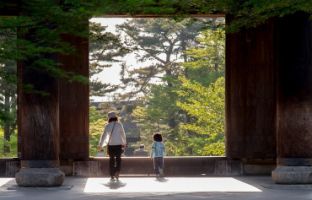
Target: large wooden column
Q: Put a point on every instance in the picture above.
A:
(38, 117)
(74, 102)
(250, 95)
(53, 117)
(294, 110)
(38, 127)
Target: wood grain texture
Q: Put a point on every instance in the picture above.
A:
(250, 93)
(294, 117)
(74, 103)
(38, 120)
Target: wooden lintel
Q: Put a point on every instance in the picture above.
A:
(158, 16)
(9, 7)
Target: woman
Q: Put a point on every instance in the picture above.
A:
(115, 138)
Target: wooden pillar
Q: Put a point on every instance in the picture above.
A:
(38, 127)
(74, 102)
(250, 94)
(53, 118)
(294, 110)
(38, 117)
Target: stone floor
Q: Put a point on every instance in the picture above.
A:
(150, 188)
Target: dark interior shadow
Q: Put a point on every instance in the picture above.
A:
(114, 185)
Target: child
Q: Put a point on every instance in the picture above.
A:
(158, 152)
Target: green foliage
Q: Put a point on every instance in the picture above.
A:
(45, 18)
(151, 122)
(250, 13)
(162, 42)
(202, 95)
(206, 106)
(8, 98)
(246, 13)
(168, 105)
(105, 49)
(94, 114)
(208, 58)
(41, 27)
(96, 127)
(12, 145)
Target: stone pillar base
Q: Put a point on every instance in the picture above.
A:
(292, 175)
(39, 177)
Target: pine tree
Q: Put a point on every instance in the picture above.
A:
(105, 49)
(160, 42)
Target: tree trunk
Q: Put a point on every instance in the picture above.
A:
(6, 133)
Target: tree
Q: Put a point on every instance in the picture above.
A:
(202, 95)
(105, 48)
(8, 102)
(207, 60)
(40, 27)
(7, 92)
(151, 121)
(97, 122)
(206, 106)
(160, 42)
(201, 60)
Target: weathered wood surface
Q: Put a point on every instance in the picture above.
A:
(9, 7)
(294, 119)
(74, 103)
(38, 109)
(250, 93)
(38, 121)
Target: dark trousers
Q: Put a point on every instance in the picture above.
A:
(158, 164)
(114, 152)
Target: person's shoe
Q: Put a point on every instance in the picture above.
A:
(161, 172)
(112, 179)
(117, 176)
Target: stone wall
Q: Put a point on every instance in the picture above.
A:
(174, 166)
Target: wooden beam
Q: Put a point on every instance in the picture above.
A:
(9, 7)
(158, 16)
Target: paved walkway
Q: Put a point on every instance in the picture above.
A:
(149, 188)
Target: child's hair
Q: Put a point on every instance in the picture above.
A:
(114, 119)
(157, 137)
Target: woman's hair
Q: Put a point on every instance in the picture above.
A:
(113, 119)
(157, 137)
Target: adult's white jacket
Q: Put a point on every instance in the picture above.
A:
(113, 134)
